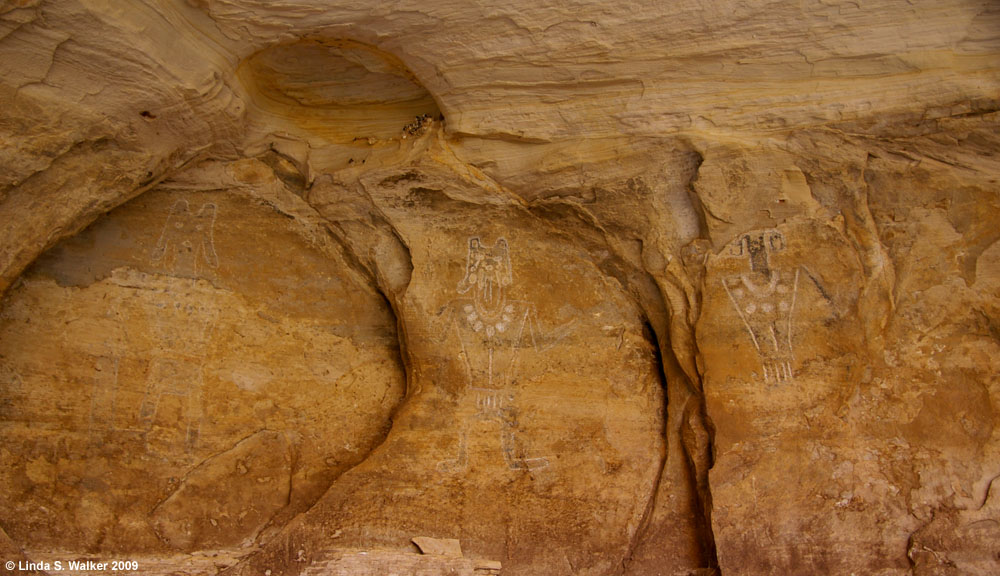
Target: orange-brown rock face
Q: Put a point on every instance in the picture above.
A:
(535, 289)
(187, 370)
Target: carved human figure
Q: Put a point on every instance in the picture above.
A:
(491, 329)
(180, 326)
(764, 298)
(187, 240)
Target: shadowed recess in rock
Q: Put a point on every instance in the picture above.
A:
(339, 90)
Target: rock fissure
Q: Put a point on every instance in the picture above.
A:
(179, 484)
(647, 513)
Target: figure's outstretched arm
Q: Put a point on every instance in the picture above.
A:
(541, 339)
(441, 323)
(161, 245)
(178, 210)
(739, 311)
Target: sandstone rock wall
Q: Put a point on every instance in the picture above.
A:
(675, 288)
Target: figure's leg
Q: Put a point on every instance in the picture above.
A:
(788, 371)
(512, 455)
(154, 389)
(102, 400)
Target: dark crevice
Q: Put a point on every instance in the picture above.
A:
(644, 291)
(698, 429)
(696, 204)
(647, 514)
(698, 437)
(286, 170)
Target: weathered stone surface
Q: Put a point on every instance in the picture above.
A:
(683, 288)
(438, 546)
(165, 380)
(378, 562)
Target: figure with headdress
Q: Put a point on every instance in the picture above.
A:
(764, 298)
(492, 329)
(181, 318)
(187, 241)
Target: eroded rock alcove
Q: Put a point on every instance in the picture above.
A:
(544, 288)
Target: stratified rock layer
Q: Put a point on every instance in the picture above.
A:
(672, 289)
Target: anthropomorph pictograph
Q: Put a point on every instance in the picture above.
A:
(764, 298)
(187, 242)
(181, 317)
(491, 329)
